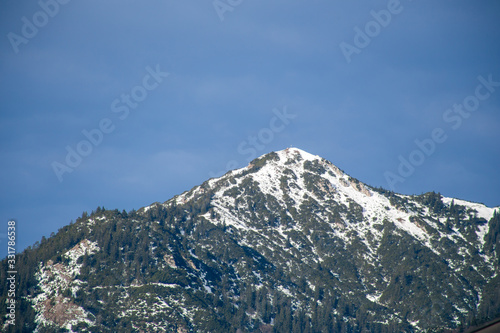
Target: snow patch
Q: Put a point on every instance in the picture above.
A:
(482, 211)
(51, 307)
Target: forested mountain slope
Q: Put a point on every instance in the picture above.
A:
(289, 243)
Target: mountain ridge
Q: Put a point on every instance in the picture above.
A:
(288, 243)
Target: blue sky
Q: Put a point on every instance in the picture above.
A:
(231, 71)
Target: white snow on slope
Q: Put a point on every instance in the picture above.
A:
(340, 188)
(55, 278)
(373, 203)
(482, 211)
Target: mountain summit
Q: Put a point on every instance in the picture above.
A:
(289, 243)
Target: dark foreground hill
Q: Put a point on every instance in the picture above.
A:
(288, 244)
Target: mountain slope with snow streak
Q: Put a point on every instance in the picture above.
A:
(290, 243)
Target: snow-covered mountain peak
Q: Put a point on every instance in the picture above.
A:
(296, 153)
(288, 183)
(288, 236)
